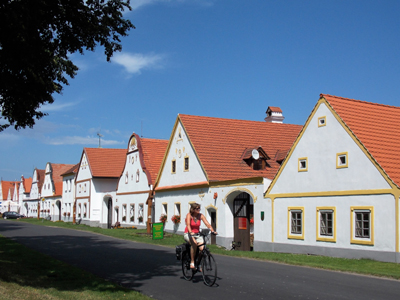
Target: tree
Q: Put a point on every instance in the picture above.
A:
(36, 39)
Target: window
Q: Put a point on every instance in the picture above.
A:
(126, 177)
(322, 121)
(140, 213)
(303, 164)
(85, 188)
(342, 160)
(173, 167)
(164, 209)
(132, 213)
(177, 209)
(362, 225)
(137, 175)
(186, 166)
(124, 212)
(69, 185)
(296, 223)
(326, 224)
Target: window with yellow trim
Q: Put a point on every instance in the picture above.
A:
(186, 163)
(362, 225)
(326, 224)
(177, 209)
(296, 223)
(342, 160)
(322, 121)
(303, 164)
(173, 166)
(164, 209)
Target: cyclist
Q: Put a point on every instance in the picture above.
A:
(193, 222)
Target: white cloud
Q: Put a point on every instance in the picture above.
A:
(80, 140)
(138, 3)
(135, 62)
(57, 106)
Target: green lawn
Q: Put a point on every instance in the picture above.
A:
(27, 274)
(361, 266)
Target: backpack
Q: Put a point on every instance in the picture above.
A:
(180, 250)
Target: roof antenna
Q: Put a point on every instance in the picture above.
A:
(99, 135)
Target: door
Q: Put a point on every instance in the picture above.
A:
(109, 218)
(58, 203)
(213, 216)
(241, 222)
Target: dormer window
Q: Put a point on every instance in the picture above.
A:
(255, 158)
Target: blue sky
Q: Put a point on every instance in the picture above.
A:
(218, 58)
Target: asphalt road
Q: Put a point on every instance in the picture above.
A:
(154, 271)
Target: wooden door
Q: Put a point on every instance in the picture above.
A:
(109, 219)
(241, 222)
(213, 216)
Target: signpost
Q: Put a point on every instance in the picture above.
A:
(158, 231)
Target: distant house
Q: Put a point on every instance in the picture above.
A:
(51, 192)
(32, 204)
(68, 193)
(24, 194)
(96, 180)
(225, 165)
(5, 195)
(135, 190)
(337, 193)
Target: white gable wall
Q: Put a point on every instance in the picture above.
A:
(179, 149)
(34, 188)
(320, 146)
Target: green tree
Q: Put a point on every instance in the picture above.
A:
(36, 39)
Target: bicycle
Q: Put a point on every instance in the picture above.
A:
(204, 262)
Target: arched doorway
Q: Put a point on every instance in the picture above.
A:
(212, 213)
(109, 213)
(58, 204)
(242, 213)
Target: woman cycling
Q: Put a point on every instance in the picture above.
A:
(193, 222)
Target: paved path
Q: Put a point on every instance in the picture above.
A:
(154, 270)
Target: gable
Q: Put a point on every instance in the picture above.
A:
(179, 151)
(83, 170)
(323, 141)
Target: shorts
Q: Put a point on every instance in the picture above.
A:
(198, 238)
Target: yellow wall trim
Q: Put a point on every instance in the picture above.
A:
(291, 235)
(362, 241)
(323, 238)
(241, 189)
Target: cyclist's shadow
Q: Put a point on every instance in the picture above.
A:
(197, 278)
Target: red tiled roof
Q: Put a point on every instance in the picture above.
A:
(40, 178)
(28, 184)
(5, 187)
(72, 170)
(377, 128)
(153, 153)
(220, 143)
(106, 162)
(274, 109)
(57, 170)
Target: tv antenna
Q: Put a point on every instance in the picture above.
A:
(99, 135)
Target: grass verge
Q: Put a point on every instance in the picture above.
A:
(360, 266)
(28, 274)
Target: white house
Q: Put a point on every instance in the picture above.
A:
(24, 194)
(32, 204)
(5, 196)
(96, 182)
(135, 189)
(225, 165)
(51, 193)
(337, 193)
(68, 193)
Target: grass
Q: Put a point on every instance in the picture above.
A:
(360, 266)
(28, 274)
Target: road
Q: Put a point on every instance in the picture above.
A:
(154, 271)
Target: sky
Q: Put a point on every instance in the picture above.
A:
(218, 58)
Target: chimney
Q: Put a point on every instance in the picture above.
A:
(274, 115)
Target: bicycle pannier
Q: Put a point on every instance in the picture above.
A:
(180, 249)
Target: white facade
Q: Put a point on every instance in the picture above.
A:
(330, 185)
(68, 197)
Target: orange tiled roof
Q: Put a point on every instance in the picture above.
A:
(28, 184)
(274, 109)
(5, 187)
(106, 162)
(72, 170)
(57, 170)
(376, 126)
(153, 153)
(40, 178)
(220, 143)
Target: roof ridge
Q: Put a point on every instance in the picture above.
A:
(361, 101)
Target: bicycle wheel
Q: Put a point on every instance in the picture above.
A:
(186, 271)
(209, 269)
